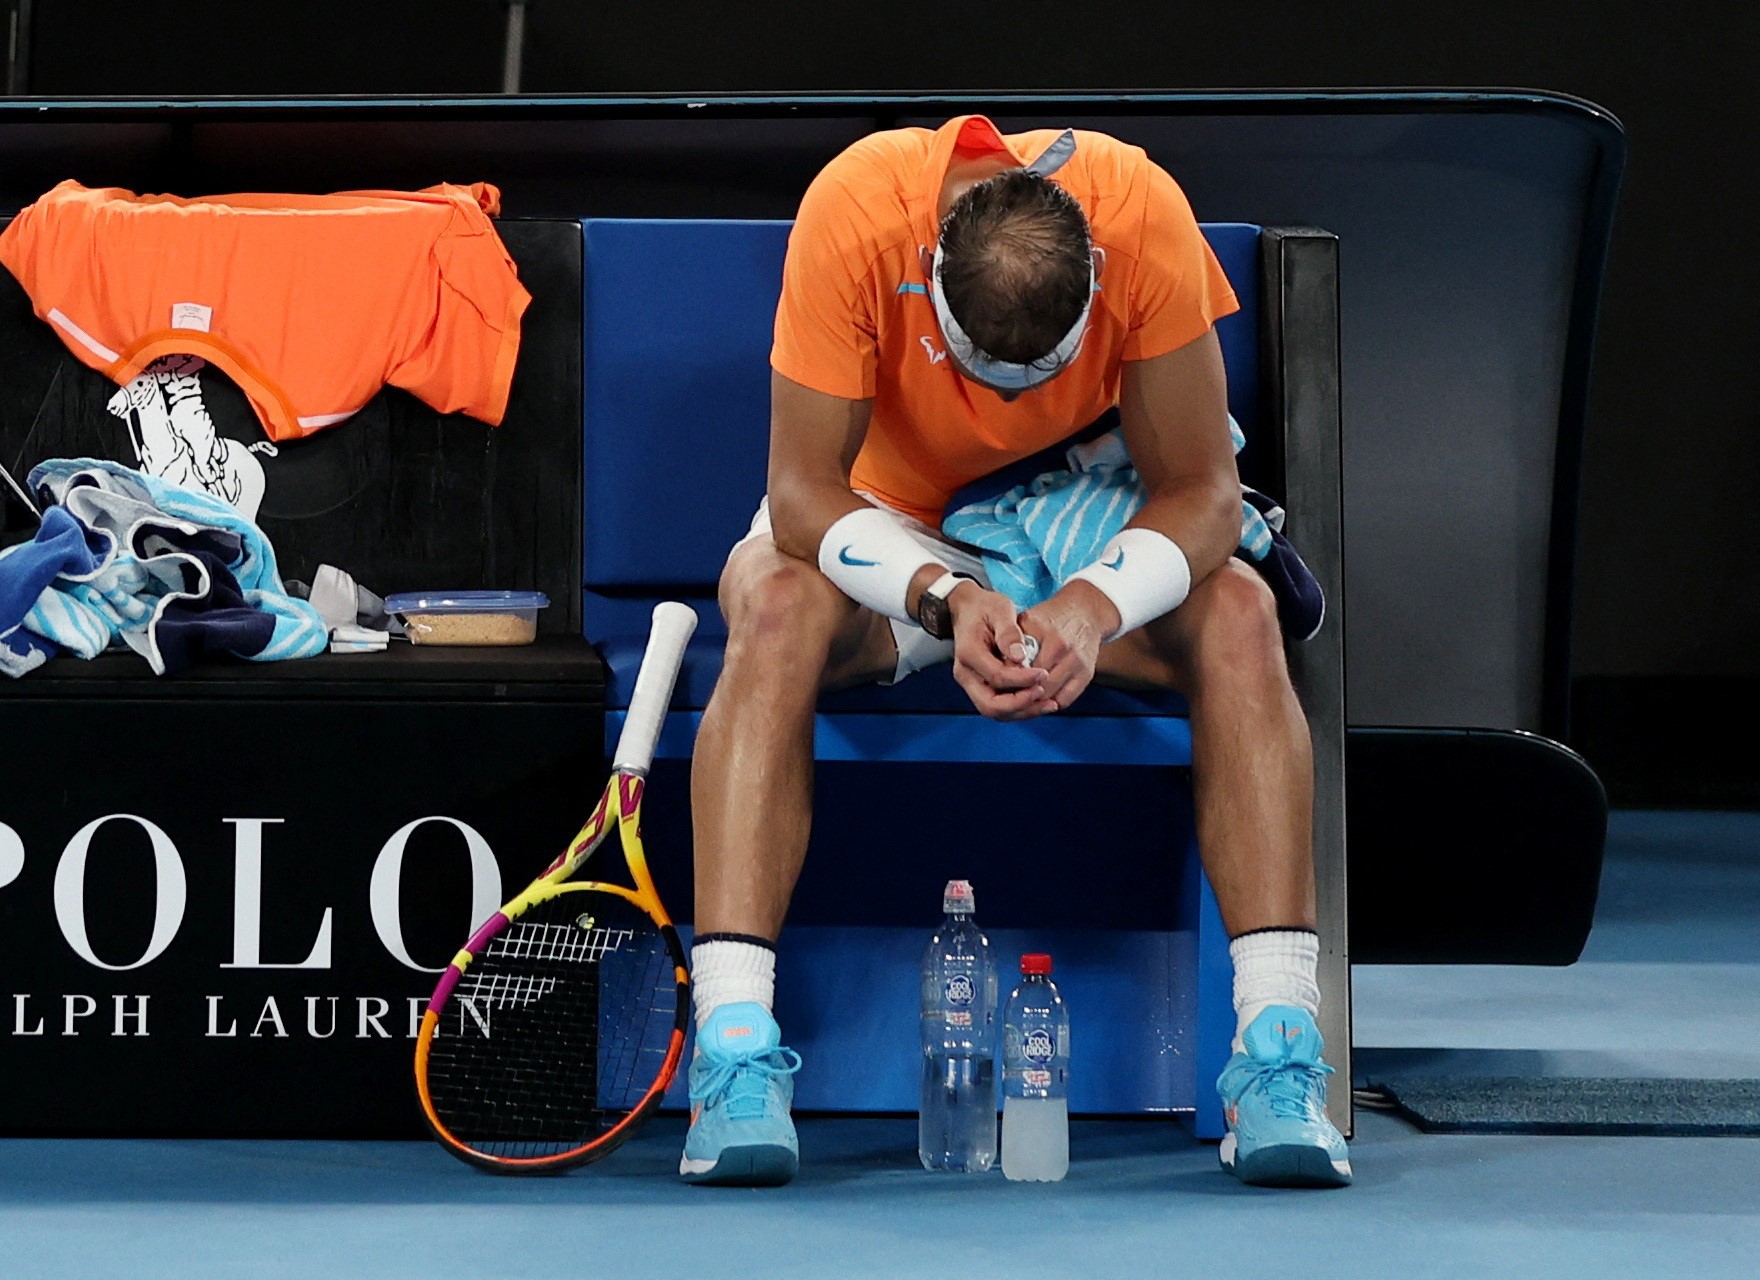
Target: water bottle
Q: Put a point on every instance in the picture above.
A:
(956, 1125)
(1035, 1078)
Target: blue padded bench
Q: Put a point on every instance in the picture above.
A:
(676, 403)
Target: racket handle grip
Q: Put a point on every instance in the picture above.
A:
(671, 631)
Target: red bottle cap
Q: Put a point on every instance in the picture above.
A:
(1036, 964)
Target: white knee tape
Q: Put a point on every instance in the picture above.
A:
(1143, 573)
(872, 560)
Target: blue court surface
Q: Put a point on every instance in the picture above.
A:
(1669, 986)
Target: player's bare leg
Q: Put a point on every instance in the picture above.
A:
(1253, 775)
(791, 634)
(1252, 760)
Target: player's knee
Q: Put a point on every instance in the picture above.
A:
(1237, 632)
(781, 605)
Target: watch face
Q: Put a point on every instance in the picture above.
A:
(934, 614)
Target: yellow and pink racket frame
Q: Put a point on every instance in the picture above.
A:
(672, 628)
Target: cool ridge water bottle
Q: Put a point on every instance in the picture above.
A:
(1035, 1078)
(956, 1126)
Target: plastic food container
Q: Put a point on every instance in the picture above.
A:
(469, 617)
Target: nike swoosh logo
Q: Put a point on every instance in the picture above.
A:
(847, 558)
(1114, 563)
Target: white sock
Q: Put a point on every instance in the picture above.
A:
(1274, 966)
(728, 971)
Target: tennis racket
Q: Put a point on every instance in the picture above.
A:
(556, 1029)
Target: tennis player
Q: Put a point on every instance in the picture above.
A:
(953, 301)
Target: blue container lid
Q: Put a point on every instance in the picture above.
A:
(465, 601)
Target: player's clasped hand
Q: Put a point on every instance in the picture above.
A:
(1069, 647)
(988, 645)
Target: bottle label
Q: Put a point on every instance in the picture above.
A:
(959, 1018)
(1039, 1045)
(1036, 1078)
(961, 990)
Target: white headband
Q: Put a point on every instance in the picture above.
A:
(1006, 375)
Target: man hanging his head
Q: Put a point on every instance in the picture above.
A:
(955, 301)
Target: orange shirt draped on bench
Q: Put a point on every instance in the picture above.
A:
(855, 318)
(310, 304)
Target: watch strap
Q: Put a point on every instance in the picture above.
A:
(943, 586)
(933, 611)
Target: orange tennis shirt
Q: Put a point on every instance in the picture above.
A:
(855, 318)
(309, 303)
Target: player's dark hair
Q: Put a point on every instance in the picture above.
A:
(1014, 264)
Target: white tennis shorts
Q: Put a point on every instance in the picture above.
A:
(917, 649)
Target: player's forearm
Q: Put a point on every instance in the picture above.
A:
(870, 558)
(1202, 517)
(802, 510)
(814, 441)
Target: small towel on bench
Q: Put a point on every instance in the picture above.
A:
(172, 573)
(1042, 521)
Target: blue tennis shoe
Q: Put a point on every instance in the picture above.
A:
(1274, 1099)
(742, 1082)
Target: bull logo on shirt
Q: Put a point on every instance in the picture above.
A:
(174, 438)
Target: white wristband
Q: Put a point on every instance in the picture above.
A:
(1143, 573)
(872, 559)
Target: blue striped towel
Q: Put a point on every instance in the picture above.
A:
(172, 573)
(1037, 533)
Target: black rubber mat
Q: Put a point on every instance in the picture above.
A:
(1626, 1107)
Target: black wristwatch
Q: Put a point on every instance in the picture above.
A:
(934, 614)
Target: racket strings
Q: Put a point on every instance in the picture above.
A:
(569, 942)
(557, 1030)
